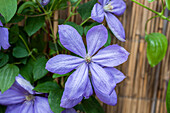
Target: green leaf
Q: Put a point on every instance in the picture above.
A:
(90, 26)
(25, 5)
(168, 98)
(91, 105)
(156, 47)
(85, 9)
(2, 109)
(47, 87)
(33, 24)
(150, 1)
(7, 76)
(58, 75)
(8, 9)
(77, 27)
(54, 99)
(20, 52)
(16, 19)
(3, 59)
(108, 40)
(39, 70)
(13, 34)
(27, 70)
(168, 4)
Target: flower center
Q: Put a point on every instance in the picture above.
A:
(29, 97)
(108, 7)
(88, 59)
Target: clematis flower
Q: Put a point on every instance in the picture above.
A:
(20, 98)
(44, 2)
(106, 9)
(4, 37)
(103, 76)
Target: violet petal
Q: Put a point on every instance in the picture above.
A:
(118, 76)
(71, 39)
(71, 110)
(11, 96)
(15, 108)
(75, 86)
(96, 37)
(63, 64)
(101, 79)
(4, 37)
(103, 2)
(88, 91)
(27, 107)
(111, 56)
(41, 105)
(115, 26)
(97, 13)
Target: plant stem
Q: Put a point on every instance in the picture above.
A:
(85, 21)
(147, 23)
(72, 13)
(51, 28)
(27, 47)
(159, 14)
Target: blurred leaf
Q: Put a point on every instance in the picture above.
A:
(168, 98)
(91, 105)
(26, 5)
(156, 47)
(168, 4)
(90, 26)
(85, 9)
(151, 1)
(39, 70)
(2, 109)
(27, 70)
(33, 24)
(108, 40)
(46, 87)
(77, 27)
(13, 34)
(7, 76)
(58, 75)
(16, 19)
(73, 1)
(3, 59)
(8, 9)
(20, 52)
(54, 100)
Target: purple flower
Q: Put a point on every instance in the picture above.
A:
(103, 76)
(20, 98)
(71, 110)
(107, 8)
(4, 37)
(44, 2)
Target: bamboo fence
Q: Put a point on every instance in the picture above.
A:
(144, 89)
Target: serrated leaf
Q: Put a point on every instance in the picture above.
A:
(156, 47)
(8, 9)
(85, 9)
(168, 98)
(168, 4)
(7, 76)
(54, 100)
(91, 105)
(77, 27)
(39, 70)
(33, 24)
(3, 59)
(26, 5)
(47, 87)
(20, 52)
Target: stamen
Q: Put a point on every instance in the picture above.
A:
(88, 59)
(29, 97)
(108, 7)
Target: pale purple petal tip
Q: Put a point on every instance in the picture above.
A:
(96, 37)
(111, 56)
(71, 40)
(71, 110)
(97, 13)
(62, 64)
(115, 26)
(4, 43)
(88, 91)
(44, 2)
